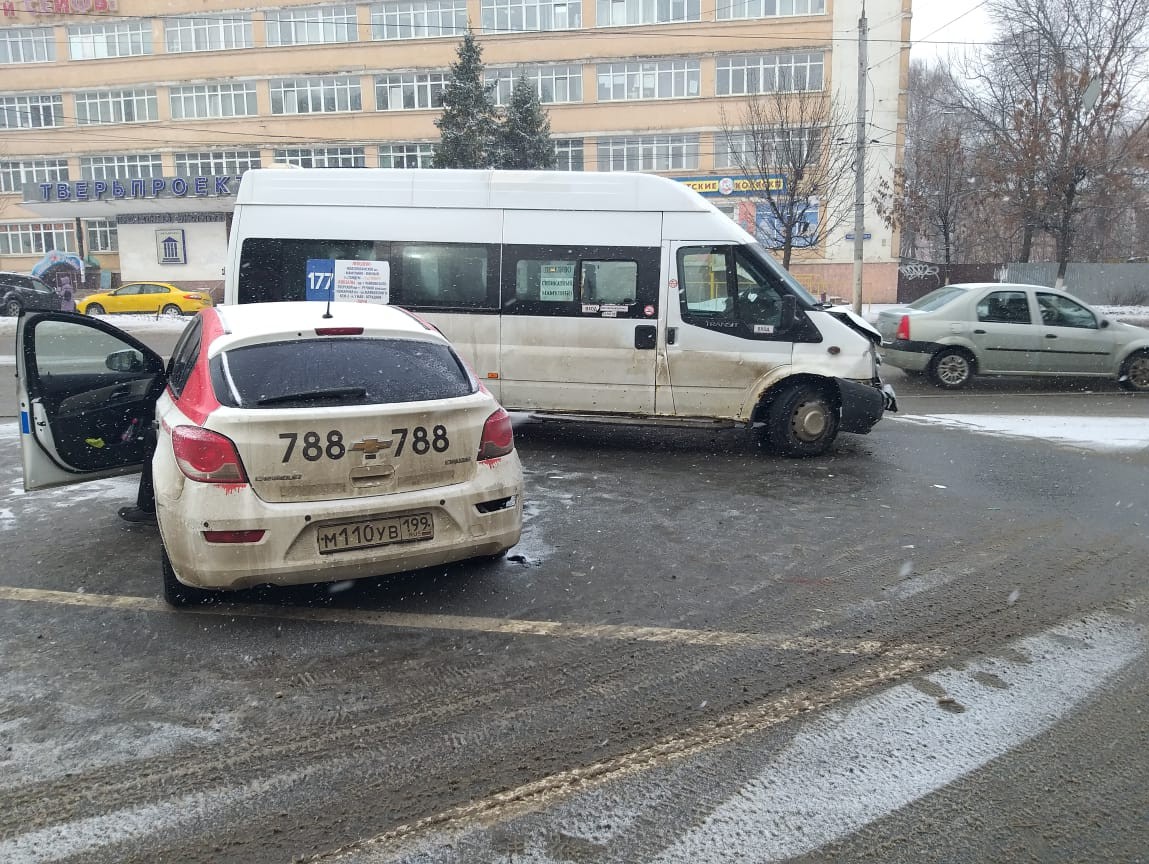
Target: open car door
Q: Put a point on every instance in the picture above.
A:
(87, 395)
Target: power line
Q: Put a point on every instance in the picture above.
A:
(925, 40)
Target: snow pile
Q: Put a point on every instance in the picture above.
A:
(1103, 434)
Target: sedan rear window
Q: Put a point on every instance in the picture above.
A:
(338, 371)
(937, 298)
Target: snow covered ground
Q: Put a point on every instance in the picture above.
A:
(1101, 434)
(130, 323)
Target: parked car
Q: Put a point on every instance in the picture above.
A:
(959, 331)
(147, 297)
(293, 446)
(19, 293)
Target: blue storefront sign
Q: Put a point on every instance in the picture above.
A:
(202, 186)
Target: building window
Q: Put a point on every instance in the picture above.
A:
(117, 39)
(128, 167)
(203, 101)
(31, 112)
(769, 148)
(406, 155)
(648, 153)
(324, 95)
(15, 175)
(36, 238)
(115, 106)
(418, 19)
(743, 74)
(311, 25)
(554, 84)
(410, 91)
(208, 32)
(662, 79)
(568, 154)
(101, 235)
(217, 162)
(516, 16)
(323, 157)
(729, 10)
(27, 45)
(617, 13)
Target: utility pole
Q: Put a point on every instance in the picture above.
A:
(860, 165)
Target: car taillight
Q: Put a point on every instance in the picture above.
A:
(904, 328)
(206, 456)
(194, 297)
(498, 437)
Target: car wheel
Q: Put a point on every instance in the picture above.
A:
(802, 420)
(178, 594)
(13, 308)
(172, 310)
(94, 309)
(952, 368)
(1135, 372)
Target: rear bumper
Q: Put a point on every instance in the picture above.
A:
(906, 354)
(288, 553)
(863, 403)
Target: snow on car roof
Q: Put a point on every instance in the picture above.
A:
(258, 322)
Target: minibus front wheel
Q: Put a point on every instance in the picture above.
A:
(800, 419)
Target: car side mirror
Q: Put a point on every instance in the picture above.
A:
(1104, 323)
(128, 360)
(789, 312)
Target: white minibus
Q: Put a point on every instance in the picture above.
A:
(596, 294)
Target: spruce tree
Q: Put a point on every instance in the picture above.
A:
(467, 127)
(525, 134)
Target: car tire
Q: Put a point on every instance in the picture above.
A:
(952, 368)
(1135, 373)
(12, 308)
(177, 593)
(802, 420)
(172, 311)
(93, 309)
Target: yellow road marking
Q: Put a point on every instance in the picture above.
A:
(464, 623)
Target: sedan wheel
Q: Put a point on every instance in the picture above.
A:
(1135, 373)
(172, 310)
(12, 308)
(94, 309)
(951, 368)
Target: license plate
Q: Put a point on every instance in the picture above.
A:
(375, 532)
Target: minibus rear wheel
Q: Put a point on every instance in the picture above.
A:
(801, 420)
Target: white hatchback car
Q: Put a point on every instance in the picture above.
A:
(292, 446)
(959, 331)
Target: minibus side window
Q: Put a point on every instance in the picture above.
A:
(723, 288)
(445, 276)
(580, 281)
(273, 269)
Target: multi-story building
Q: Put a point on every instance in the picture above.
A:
(119, 120)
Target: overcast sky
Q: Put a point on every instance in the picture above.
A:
(932, 21)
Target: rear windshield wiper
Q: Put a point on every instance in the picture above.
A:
(316, 395)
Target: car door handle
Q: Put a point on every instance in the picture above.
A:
(979, 332)
(671, 335)
(645, 337)
(1050, 335)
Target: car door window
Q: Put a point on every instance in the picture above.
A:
(722, 288)
(184, 357)
(1004, 307)
(1058, 311)
(97, 391)
(128, 291)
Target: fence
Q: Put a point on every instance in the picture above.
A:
(1101, 284)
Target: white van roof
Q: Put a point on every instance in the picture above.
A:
(509, 190)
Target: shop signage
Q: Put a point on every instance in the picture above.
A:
(203, 186)
(58, 7)
(710, 187)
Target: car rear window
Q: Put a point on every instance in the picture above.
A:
(937, 298)
(338, 371)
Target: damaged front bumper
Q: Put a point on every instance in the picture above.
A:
(863, 403)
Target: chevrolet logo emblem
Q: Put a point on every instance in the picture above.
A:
(371, 446)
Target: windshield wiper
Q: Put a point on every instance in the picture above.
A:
(316, 395)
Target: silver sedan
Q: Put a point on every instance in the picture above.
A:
(959, 331)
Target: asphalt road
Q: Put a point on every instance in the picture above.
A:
(928, 645)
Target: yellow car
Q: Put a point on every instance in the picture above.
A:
(146, 297)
